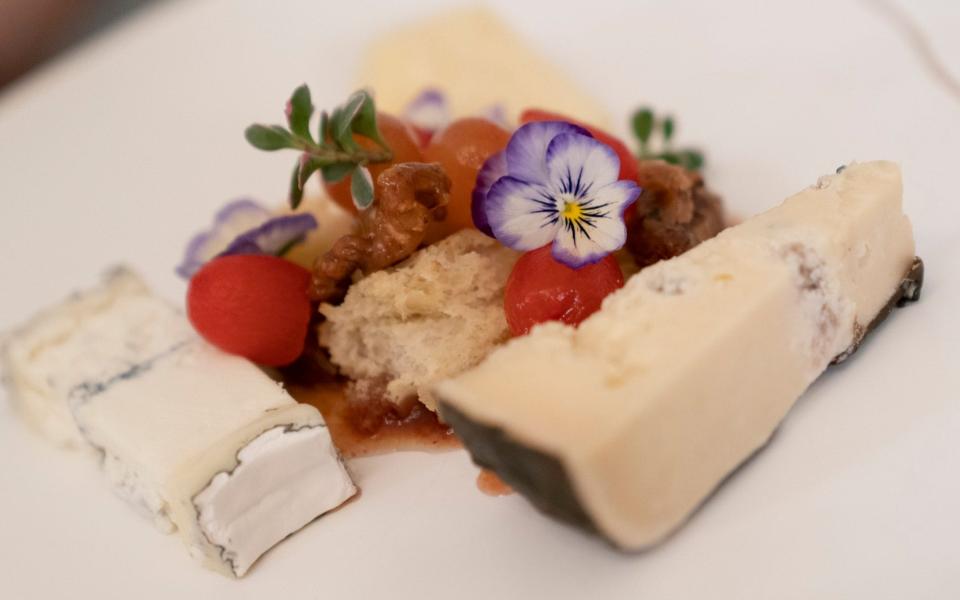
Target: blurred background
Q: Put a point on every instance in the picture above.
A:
(31, 31)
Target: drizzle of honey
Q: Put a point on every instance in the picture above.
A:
(420, 430)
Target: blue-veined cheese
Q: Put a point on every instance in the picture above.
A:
(201, 442)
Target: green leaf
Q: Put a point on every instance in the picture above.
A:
(308, 166)
(643, 124)
(365, 123)
(670, 157)
(269, 137)
(340, 133)
(324, 127)
(667, 126)
(691, 159)
(335, 172)
(361, 187)
(296, 190)
(299, 111)
(341, 123)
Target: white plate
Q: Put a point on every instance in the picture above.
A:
(122, 150)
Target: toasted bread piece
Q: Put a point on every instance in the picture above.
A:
(432, 316)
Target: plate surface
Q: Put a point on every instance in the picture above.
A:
(121, 150)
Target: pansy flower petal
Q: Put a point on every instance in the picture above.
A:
(274, 236)
(493, 169)
(428, 111)
(527, 149)
(230, 221)
(497, 114)
(522, 215)
(579, 165)
(599, 230)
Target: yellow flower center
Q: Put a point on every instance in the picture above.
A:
(571, 211)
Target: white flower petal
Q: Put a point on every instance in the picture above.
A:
(601, 230)
(527, 149)
(428, 111)
(578, 164)
(522, 215)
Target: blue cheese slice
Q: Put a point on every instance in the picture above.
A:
(201, 442)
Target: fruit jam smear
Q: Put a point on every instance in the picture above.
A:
(375, 426)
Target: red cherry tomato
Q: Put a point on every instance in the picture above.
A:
(540, 289)
(254, 306)
(628, 162)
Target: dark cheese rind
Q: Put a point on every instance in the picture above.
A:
(543, 479)
(908, 291)
(537, 475)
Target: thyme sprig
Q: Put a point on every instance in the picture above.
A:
(647, 128)
(335, 153)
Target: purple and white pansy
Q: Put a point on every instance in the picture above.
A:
(244, 227)
(554, 184)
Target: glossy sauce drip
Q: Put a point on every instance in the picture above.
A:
(490, 484)
(419, 430)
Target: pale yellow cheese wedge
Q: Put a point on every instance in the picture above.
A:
(478, 61)
(626, 424)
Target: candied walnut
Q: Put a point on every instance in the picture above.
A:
(675, 212)
(412, 196)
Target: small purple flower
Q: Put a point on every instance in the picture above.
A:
(244, 227)
(428, 111)
(554, 183)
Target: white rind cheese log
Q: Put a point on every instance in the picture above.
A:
(201, 442)
(41, 369)
(627, 424)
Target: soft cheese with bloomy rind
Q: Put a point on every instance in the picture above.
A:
(432, 316)
(41, 369)
(688, 369)
(199, 441)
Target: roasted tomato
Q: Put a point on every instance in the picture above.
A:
(540, 289)
(461, 149)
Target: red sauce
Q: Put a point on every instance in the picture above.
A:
(491, 485)
(420, 429)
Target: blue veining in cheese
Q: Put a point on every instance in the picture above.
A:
(120, 371)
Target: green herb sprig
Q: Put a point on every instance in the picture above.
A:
(647, 127)
(334, 152)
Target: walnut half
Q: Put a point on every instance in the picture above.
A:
(412, 196)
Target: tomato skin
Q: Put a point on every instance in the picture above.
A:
(461, 148)
(402, 141)
(540, 289)
(628, 162)
(255, 306)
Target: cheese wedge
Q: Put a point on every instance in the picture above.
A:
(627, 423)
(201, 442)
(478, 62)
